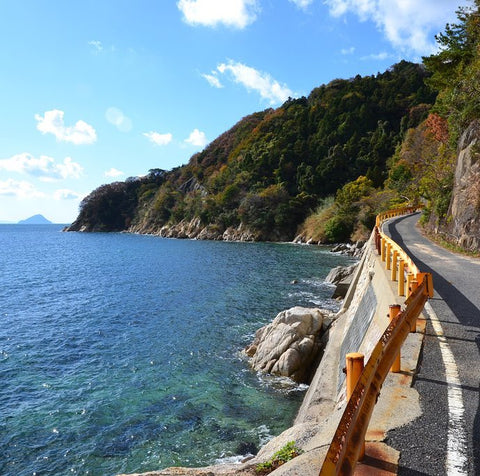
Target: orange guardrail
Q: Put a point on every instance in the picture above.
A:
(394, 213)
(348, 441)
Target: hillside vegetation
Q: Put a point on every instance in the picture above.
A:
(320, 167)
(272, 170)
(438, 161)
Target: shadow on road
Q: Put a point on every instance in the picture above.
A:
(465, 311)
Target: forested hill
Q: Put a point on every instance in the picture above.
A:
(261, 179)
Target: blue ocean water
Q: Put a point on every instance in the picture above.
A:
(122, 353)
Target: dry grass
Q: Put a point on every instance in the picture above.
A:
(314, 225)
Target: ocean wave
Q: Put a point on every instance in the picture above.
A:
(282, 384)
(238, 459)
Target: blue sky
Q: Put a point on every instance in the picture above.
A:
(100, 90)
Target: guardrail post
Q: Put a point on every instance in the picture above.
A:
(377, 239)
(413, 287)
(394, 265)
(409, 283)
(354, 368)
(354, 363)
(383, 246)
(401, 277)
(388, 255)
(394, 310)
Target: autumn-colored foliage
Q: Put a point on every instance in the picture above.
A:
(438, 127)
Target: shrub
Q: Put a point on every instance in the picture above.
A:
(314, 225)
(338, 229)
(287, 453)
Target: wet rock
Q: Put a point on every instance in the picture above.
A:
(340, 248)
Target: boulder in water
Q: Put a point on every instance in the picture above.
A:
(340, 273)
(290, 344)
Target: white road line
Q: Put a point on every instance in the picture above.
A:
(457, 441)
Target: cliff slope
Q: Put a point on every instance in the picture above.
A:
(260, 179)
(463, 223)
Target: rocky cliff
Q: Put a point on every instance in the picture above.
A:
(194, 229)
(464, 211)
(462, 223)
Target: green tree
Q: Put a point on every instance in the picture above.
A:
(456, 69)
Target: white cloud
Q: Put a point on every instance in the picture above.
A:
(65, 194)
(232, 13)
(69, 169)
(96, 46)
(19, 189)
(197, 138)
(52, 123)
(376, 56)
(113, 172)
(116, 117)
(213, 79)
(157, 138)
(255, 80)
(408, 25)
(348, 51)
(45, 168)
(302, 3)
(338, 7)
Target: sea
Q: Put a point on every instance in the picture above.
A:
(122, 353)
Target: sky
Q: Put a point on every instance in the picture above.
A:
(96, 91)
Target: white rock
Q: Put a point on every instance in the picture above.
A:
(289, 344)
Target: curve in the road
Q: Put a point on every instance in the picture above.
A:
(445, 389)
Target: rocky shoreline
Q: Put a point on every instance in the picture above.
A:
(194, 230)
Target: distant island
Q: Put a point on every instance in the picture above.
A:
(35, 220)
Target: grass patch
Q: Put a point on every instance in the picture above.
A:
(287, 453)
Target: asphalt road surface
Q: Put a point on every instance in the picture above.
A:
(445, 440)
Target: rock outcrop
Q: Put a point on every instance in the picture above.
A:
(194, 230)
(341, 277)
(464, 224)
(350, 249)
(340, 273)
(290, 344)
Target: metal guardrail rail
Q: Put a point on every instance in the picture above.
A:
(347, 443)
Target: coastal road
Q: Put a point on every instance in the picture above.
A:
(445, 440)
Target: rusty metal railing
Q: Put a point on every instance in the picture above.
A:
(347, 443)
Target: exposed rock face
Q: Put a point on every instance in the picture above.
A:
(290, 344)
(194, 229)
(239, 233)
(341, 276)
(340, 273)
(355, 249)
(465, 205)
